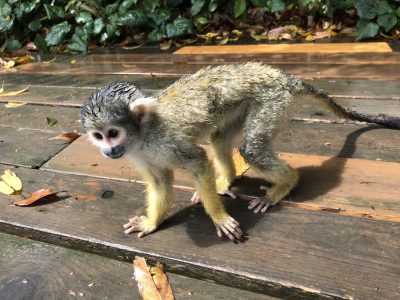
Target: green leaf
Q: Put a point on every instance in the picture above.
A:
(150, 5)
(54, 12)
(34, 25)
(51, 121)
(40, 44)
(383, 8)
(305, 2)
(6, 23)
(200, 21)
(172, 3)
(212, 6)
(239, 7)
(156, 35)
(366, 9)
(387, 21)
(366, 29)
(12, 44)
(133, 18)
(179, 27)
(197, 5)
(98, 26)
(111, 8)
(5, 9)
(83, 17)
(57, 33)
(160, 15)
(277, 5)
(398, 12)
(25, 8)
(125, 6)
(77, 44)
(260, 3)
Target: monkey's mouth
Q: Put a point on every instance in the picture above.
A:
(115, 152)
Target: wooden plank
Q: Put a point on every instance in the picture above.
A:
(36, 270)
(292, 253)
(304, 71)
(26, 147)
(288, 48)
(326, 182)
(276, 58)
(34, 117)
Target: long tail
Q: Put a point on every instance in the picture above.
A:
(344, 112)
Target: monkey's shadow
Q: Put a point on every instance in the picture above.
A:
(202, 231)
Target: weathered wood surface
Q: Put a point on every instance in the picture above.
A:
(27, 147)
(36, 270)
(34, 117)
(304, 71)
(356, 187)
(293, 253)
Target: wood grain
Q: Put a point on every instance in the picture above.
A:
(288, 48)
(37, 270)
(292, 253)
(367, 188)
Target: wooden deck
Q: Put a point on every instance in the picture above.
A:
(337, 236)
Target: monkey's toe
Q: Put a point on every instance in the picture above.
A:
(227, 192)
(260, 204)
(230, 228)
(134, 224)
(195, 198)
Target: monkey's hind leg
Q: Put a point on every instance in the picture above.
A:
(256, 150)
(159, 202)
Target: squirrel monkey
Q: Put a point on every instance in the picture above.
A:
(162, 133)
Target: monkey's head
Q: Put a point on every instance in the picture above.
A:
(114, 116)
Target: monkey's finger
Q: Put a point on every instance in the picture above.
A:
(195, 198)
(219, 233)
(227, 232)
(260, 206)
(236, 231)
(227, 192)
(131, 229)
(264, 209)
(143, 233)
(264, 188)
(233, 221)
(254, 203)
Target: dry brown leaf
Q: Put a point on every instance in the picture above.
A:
(13, 93)
(240, 165)
(146, 285)
(165, 45)
(36, 196)
(68, 137)
(274, 34)
(161, 281)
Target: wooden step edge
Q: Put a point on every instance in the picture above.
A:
(225, 276)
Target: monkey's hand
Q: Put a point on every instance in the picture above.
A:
(139, 224)
(230, 227)
(261, 204)
(226, 192)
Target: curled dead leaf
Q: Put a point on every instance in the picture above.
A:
(14, 104)
(11, 184)
(238, 161)
(50, 61)
(24, 59)
(223, 41)
(165, 45)
(68, 137)
(152, 281)
(36, 196)
(7, 64)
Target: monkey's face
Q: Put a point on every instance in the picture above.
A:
(112, 140)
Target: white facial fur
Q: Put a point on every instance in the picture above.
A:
(107, 141)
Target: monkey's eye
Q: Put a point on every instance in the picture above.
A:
(98, 136)
(112, 133)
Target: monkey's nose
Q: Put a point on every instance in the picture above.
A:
(114, 152)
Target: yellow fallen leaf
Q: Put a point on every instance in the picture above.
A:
(310, 37)
(165, 45)
(240, 165)
(12, 180)
(73, 61)
(237, 32)
(13, 93)
(5, 189)
(161, 281)
(223, 41)
(14, 104)
(24, 59)
(7, 64)
(132, 47)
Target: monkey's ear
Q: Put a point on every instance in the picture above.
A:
(140, 109)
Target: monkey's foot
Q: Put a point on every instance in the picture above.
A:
(230, 227)
(225, 192)
(138, 224)
(260, 204)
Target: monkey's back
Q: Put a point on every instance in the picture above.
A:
(201, 99)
